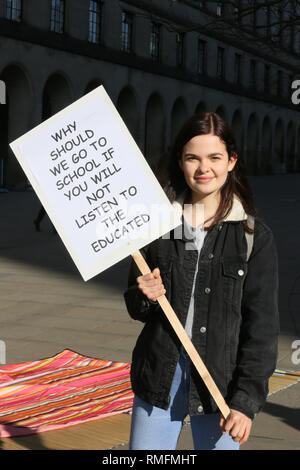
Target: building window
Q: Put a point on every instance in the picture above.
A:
(155, 41)
(126, 32)
(179, 49)
(279, 83)
(237, 15)
(267, 11)
(221, 62)
(293, 15)
(291, 32)
(281, 26)
(237, 68)
(57, 16)
(94, 21)
(219, 9)
(253, 14)
(253, 74)
(13, 10)
(267, 81)
(201, 63)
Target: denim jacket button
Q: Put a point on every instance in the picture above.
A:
(200, 409)
(240, 272)
(210, 256)
(203, 329)
(207, 290)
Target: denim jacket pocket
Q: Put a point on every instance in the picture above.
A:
(234, 273)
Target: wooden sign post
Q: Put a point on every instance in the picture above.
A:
(185, 341)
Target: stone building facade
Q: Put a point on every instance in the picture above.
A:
(158, 65)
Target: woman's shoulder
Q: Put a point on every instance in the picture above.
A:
(261, 227)
(263, 236)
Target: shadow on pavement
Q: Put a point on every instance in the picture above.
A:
(287, 415)
(276, 198)
(29, 442)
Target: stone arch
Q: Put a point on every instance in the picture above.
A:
(238, 132)
(155, 128)
(221, 111)
(57, 94)
(201, 107)
(290, 147)
(266, 147)
(252, 161)
(19, 105)
(279, 145)
(128, 109)
(179, 115)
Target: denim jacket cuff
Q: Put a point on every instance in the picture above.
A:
(241, 402)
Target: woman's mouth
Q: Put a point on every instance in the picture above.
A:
(203, 179)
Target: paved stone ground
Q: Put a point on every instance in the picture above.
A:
(46, 307)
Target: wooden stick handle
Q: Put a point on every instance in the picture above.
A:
(185, 341)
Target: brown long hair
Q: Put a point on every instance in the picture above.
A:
(171, 177)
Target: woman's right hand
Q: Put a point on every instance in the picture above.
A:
(151, 285)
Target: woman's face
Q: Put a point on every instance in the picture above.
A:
(205, 164)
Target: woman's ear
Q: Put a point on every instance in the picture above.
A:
(232, 161)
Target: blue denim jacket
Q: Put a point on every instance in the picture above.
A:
(236, 320)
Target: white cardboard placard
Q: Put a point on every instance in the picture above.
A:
(95, 184)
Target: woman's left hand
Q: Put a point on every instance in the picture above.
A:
(238, 425)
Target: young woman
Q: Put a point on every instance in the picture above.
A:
(228, 305)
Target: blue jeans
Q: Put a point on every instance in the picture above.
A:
(153, 428)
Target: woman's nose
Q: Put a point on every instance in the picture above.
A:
(203, 167)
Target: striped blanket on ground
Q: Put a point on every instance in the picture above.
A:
(59, 391)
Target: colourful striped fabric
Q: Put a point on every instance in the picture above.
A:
(59, 391)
